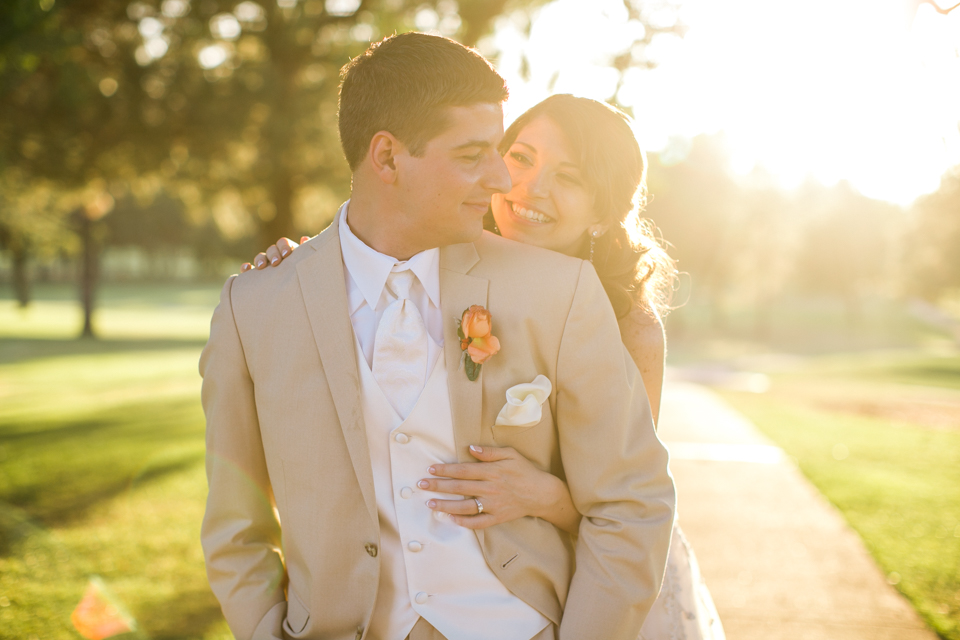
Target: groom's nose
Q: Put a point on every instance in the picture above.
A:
(497, 178)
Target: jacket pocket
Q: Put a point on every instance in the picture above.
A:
(507, 436)
(297, 614)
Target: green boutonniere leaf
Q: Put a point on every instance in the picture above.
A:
(473, 369)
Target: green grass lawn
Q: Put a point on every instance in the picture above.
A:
(879, 435)
(101, 462)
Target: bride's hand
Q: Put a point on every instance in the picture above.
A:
(274, 254)
(508, 486)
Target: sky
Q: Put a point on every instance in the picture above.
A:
(866, 91)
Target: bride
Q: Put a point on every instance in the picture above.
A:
(578, 178)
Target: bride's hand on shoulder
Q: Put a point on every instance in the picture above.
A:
(274, 254)
(507, 485)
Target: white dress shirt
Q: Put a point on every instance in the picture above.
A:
(366, 271)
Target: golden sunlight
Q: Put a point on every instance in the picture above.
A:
(861, 90)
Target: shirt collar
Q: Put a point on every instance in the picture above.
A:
(368, 268)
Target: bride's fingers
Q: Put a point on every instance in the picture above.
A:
(285, 246)
(464, 471)
(492, 454)
(246, 266)
(481, 521)
(465, 507)
(273, 255)
(260, 261)
(456, 487)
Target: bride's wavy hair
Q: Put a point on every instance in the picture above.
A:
(633, 266)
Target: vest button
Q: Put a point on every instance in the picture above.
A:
(414, 546)
(371, 549)
(421, 598)
(406, 492)
(402, 438)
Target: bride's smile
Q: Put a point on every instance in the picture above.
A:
(550, 204)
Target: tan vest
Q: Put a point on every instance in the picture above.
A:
(429, 566)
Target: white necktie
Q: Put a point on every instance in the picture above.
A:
(400, 347)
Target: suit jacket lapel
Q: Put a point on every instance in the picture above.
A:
(457, 292)
(324, 294)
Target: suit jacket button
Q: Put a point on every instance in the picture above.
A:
(402, 438)
(371, 549)
(421, 598)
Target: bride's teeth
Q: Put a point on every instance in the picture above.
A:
(527, 214)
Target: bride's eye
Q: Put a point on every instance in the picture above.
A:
(521, 158)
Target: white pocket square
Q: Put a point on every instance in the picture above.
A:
(524, 403)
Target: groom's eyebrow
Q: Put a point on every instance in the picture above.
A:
(483, 144)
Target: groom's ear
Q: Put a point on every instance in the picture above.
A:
(383, 154)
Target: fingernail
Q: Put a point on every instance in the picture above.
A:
(432, 504)
(285, 253)
(275, 261)
(423, 484)
(432, 470)
(476, 449)
(261, 262)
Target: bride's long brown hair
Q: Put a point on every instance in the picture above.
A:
(633, 266)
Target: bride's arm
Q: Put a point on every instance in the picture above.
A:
(642, 335)
(508, 485)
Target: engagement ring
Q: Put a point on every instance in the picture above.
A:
(479, 505)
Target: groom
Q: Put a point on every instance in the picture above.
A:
(332, 382)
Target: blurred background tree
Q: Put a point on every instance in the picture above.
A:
(933, 244)
(227, 107)
(209, 127)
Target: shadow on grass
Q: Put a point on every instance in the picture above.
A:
(56, 472)
(27, 349)
(189, 615)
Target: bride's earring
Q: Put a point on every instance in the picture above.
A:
(594, 234)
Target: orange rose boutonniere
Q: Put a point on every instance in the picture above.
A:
(476, 340)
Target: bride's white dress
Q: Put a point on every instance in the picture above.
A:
(684, 609)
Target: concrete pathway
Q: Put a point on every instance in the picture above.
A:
(780, 561)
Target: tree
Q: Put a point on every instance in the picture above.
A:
(67, 122)
(231, 105)
(848, 247)
(248, 92)
(933, 244)
(695, 203)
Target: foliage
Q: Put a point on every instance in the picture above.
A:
(745, 240)
(243, 96)
(934, 241)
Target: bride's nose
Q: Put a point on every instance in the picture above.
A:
(537, 183)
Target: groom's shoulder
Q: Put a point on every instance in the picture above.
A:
(263, 287)
(502, 258)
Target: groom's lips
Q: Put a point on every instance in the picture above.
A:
(478, 206)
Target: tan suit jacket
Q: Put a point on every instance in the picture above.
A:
(286, 444)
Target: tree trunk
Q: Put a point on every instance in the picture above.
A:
(281, 225)
(88, 272)
(21, 281)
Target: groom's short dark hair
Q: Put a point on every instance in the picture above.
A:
(403, 84)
